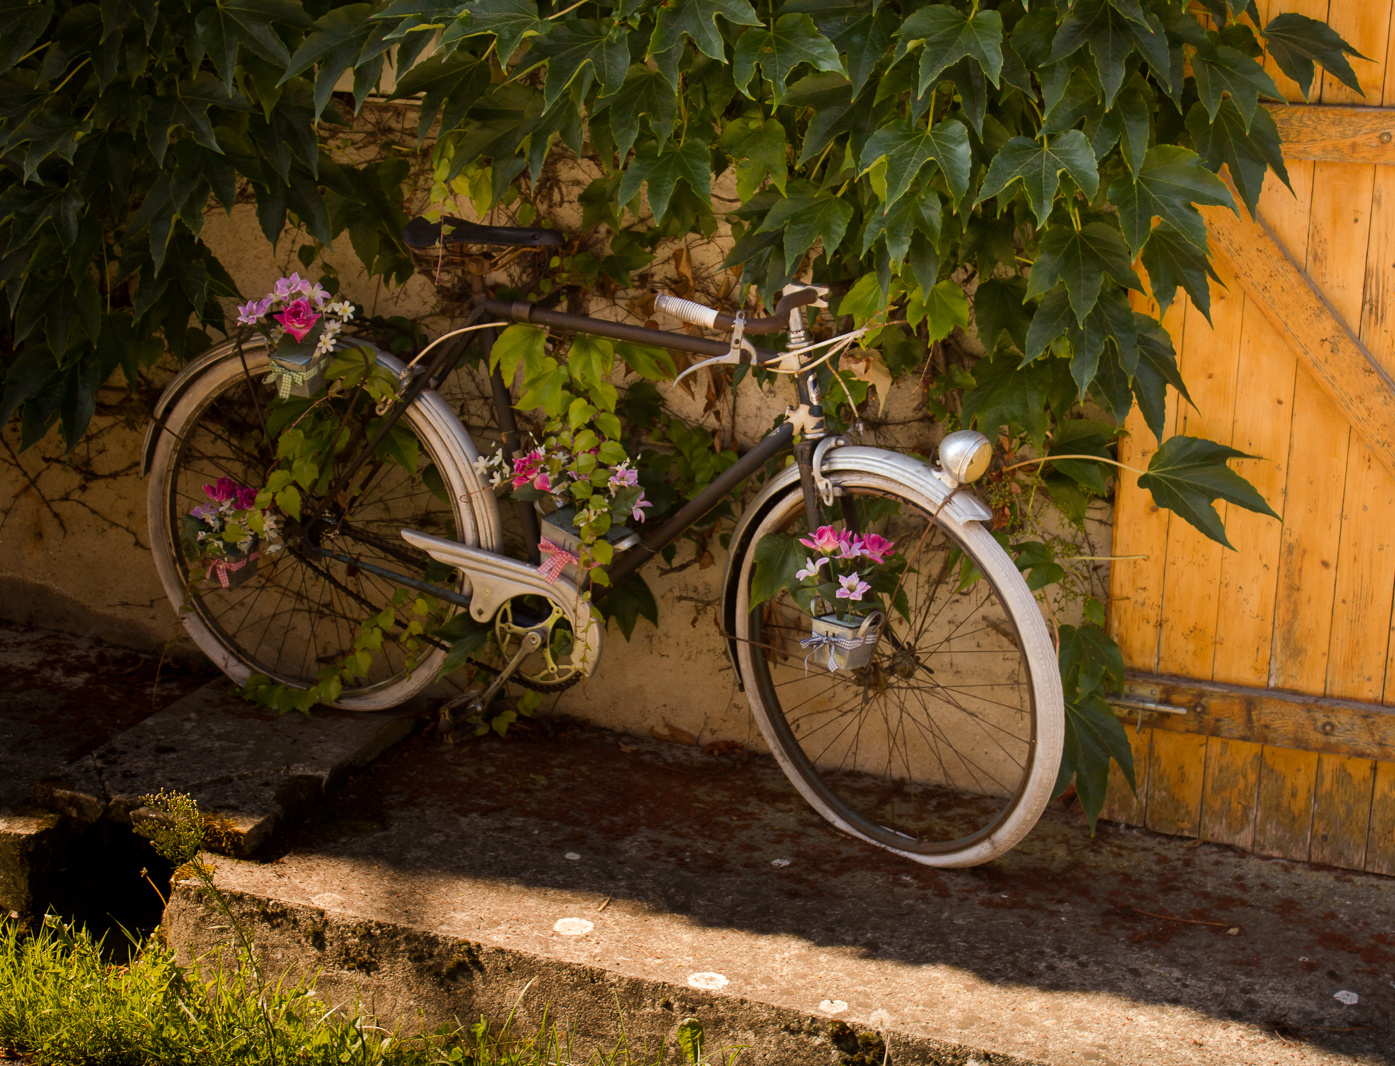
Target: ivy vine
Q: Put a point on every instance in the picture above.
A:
(1027, 155)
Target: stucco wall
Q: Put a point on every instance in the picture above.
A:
(74, 552)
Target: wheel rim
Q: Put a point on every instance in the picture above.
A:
(299, 613)
(930, 749)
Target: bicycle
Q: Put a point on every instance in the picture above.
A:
(942, 747)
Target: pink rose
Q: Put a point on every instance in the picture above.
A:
(825, 540)
(876, 548)
(298, 318)
(246, 499)
(542, 482)
(223, 489)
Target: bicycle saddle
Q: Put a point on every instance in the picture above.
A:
(419, 234)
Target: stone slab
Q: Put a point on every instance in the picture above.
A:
(246, 766)
(433, 885)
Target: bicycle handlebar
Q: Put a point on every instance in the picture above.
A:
(710, 318)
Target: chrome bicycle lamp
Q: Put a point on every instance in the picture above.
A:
(965, 455)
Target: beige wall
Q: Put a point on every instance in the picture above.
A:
(74, 552)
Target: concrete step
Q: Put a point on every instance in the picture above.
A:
(605, 879)
(85, 733)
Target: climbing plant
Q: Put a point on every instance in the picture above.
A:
(994, 161)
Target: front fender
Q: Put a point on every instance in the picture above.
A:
(963, 507)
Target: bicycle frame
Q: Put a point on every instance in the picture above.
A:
(628, 562)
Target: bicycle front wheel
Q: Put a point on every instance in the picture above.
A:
(945, 747)
(301, 612)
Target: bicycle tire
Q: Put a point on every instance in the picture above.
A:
(900, 754)
(210, 430)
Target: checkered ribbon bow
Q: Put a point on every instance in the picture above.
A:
(221, 568)
(556, 560)
(827, 640)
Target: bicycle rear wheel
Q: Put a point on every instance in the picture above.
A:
(301, 612)
(945, 747)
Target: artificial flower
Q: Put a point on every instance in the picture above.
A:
(298, 318)
(825, 540)
(252, 312)
(638, 514)
(811, 568)
(623, 477)
(876, 548)
(852, 587)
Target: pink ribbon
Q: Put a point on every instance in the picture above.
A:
(556, 561)
(222, 568)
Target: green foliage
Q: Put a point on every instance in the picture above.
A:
(120, 126)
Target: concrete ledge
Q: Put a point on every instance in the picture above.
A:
(27, 844)
(419, 978)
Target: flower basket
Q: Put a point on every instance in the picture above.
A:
(235, 567)
(560, 542)
(844, 644)
(298, 375)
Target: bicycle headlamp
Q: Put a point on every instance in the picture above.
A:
(965, 455)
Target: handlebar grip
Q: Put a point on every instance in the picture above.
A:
(688, 311)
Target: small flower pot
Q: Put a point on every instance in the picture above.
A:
(558, 529)
(295, 376)
(234, 567)
(844, 644)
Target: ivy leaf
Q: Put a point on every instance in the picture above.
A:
(581, 49)
(865, 43)
(758, 148)
(1080, 99)
(187, 107)
(1005, 394)
(697, 19)
(1094, 736)
(510, 21)
(1127, 123)
(468, 639)
(627, 603)
(661, 169)
(1080, 260)
(645, 94)
(1111, 37)
(946, 35)
(21, 25)
(1156, 370)
(1038, 166)
(792, 40)
(1171, 259)
(1109, 321)
(1247, 155)
(941, 309)
(333, 43)
(1186, 474)
(1170, 183)
(900, 222)
(223, 27)
(1295, 41)
(998, 307)
(1052, 317)
(449, 86)
(907, 150)
(518, 343)
(805, 215)
(1221, 69)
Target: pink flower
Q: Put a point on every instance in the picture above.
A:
(298, 318)
(525, 468)
(316, 292)
(849, 547)
(811, 568)
(285, 288)
(623, 477)
(246, 499)
(640, 503)
(825, 540)
(876, 548)
(223, 489)
(250, 313)
(852, 587)
(542, 482)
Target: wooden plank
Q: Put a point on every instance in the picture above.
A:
(1191, 590)
(1366, 27)
(1120, 802)
(1176, 774)
(1264, 716)
(1336, 134)
(1325, 345)
(1380, 842)
(1283, 825)
(1231, 793)
(1140, 525)
(1342, 811)
(1365, 583)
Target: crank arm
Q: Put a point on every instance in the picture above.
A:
(530, 643)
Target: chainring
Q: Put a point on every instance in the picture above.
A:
(559, 664)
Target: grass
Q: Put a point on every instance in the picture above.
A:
(63, 1003)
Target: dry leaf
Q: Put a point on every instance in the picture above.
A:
(673, 734)
(869, 366)
(723, 747)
